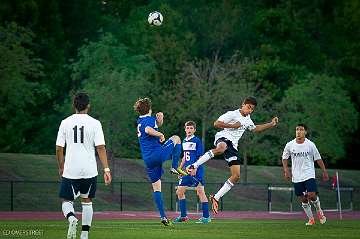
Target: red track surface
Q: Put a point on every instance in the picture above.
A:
(154, 215)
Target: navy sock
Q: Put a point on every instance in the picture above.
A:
(205, 208)
(176, 156)
(159, 203)
(182, 205)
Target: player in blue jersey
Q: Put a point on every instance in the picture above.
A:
(193, 149)
(153, 152)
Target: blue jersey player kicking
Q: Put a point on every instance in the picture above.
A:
(154, 153)
(193, 149)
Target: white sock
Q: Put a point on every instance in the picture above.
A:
(68, 210)
(316, 204)
(208, 155)
(224, 189)
(84, 235)
(87, 215)
(307, 209)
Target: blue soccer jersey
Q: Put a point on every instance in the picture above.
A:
(148, 143)
(192, 149)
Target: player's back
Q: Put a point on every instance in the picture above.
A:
(81, 134)
(148, 143)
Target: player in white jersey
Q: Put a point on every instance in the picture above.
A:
(303, 153)
(234, 123)
(80, 134)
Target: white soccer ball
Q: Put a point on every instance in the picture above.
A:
(155, 18)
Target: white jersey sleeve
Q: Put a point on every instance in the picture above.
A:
(61, 136)
(316, 153)
(286, 152)
(99, 135)
(251, 126)
(227, 117)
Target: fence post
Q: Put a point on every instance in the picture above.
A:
(121, 196)
(171, 196)
(291, 200)
(11, 196)
(269, 198)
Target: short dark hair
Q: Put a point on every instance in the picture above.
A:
(302, 125)
(142, 106)
(190, 123)
(81, 101)
(250, 100)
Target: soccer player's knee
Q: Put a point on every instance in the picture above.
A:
(220, 148)
(176, 139)
(235, 177)
(312, 195)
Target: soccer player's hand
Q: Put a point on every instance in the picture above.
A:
(107, 178)
(325, 176)
(287, 175)
(161, 138)
(191, 170)
(274, 121)
(61, 170)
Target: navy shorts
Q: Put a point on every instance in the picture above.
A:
(154, 163)
(193, 181)
(70, 189)
(302, 188)
(231, 155)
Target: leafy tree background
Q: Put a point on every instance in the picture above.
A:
(300, 59)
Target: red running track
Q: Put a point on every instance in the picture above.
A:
(109, 215)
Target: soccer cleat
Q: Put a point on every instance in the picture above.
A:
(321, 217)
(72, 229)
(182, 172)
(180, 219)
(214, 204)
(204, 220)
(310, 222)
(166, 222)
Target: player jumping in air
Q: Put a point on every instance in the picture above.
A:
(234, 123)
(154, 153)
(303, 153)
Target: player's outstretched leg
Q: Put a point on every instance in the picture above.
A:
(69, 213)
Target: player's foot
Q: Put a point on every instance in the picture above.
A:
(204, 220)
(72, 228)
(180, 219)
(310, 222)
(166, 222)
(214, 204)
(321, 217)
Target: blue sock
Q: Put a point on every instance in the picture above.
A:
(205, 208)
(159, 203)
(176, 156)
(182, 205)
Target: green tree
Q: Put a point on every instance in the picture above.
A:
(19, 69)
(322, 103)
(114, 78)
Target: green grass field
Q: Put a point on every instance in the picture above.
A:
(217, 229)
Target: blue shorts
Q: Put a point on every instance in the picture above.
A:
(70, 189)
(157, 158)
(302, 188)
(190, 181)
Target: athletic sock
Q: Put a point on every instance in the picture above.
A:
(224, 189)
(176, 156)
(182, 205)
(87, 215)
(205, 209)
(208, 155)
(159, 203)
(68, 210)
(307, 210)
(316, 204)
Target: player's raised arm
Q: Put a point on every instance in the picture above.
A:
(262, 127)
(150, 131)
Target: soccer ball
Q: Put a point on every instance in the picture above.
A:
(155, 18)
